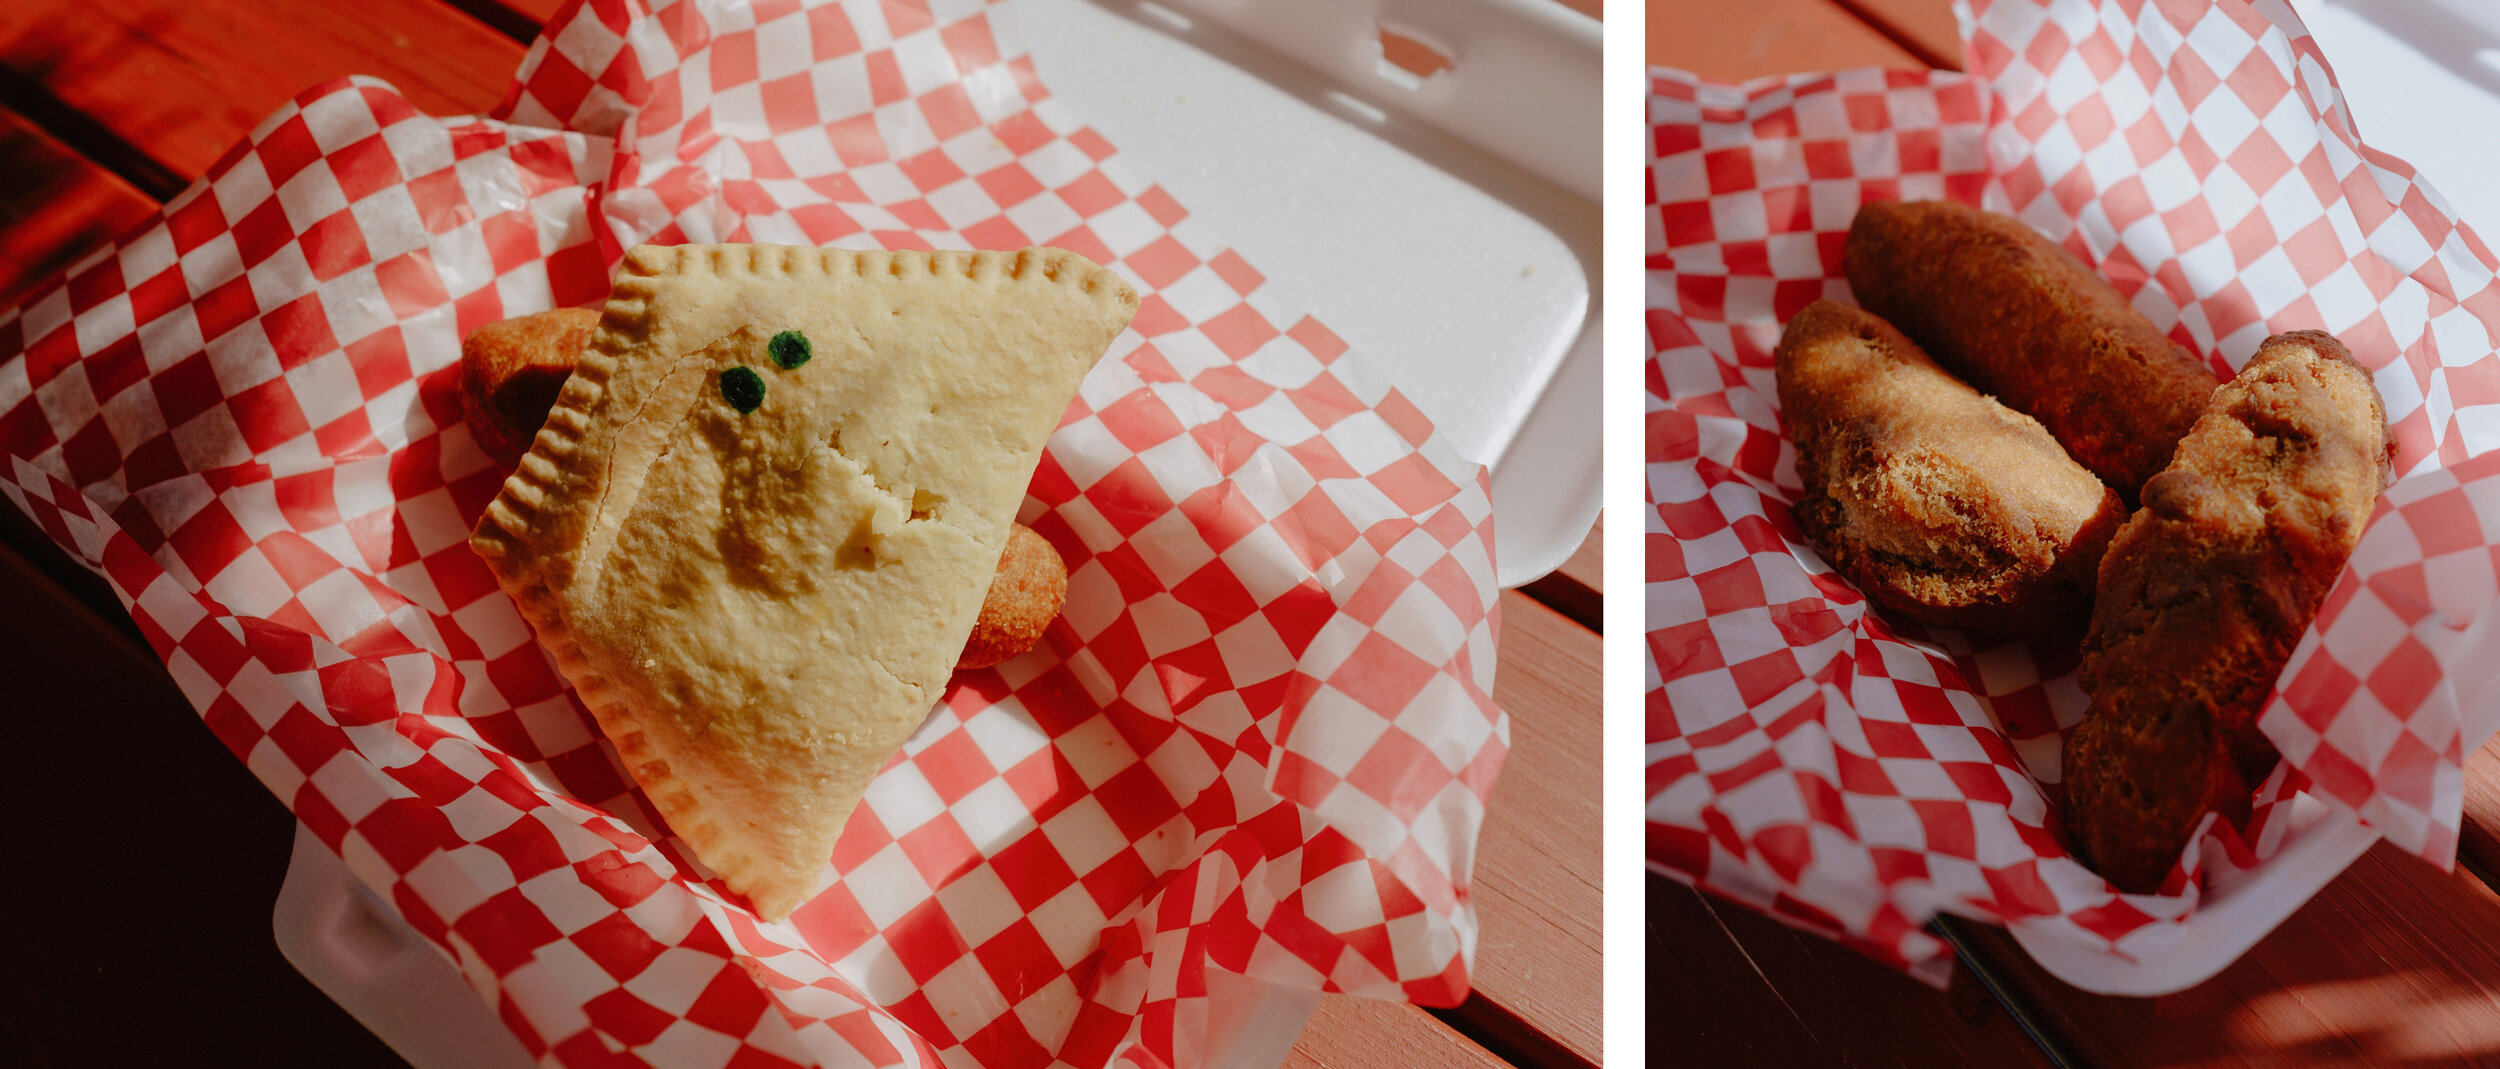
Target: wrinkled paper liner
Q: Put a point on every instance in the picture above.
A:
(1258, 740)
(2367, 711)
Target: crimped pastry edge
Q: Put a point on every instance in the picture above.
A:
(505, 535)
(628, 315)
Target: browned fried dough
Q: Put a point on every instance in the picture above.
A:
(1030, 585)
(2203, 594)
(511, 371)
(2020, 318)
(1938, 503)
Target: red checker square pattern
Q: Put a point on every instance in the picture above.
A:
(314, 469)
(1946, 744)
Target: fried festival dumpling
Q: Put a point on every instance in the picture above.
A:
(760, 519)
(1934, 501)
(2020, 319)
(2203, 595)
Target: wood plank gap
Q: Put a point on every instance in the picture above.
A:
(1999, 988)
(501, 18)
(26, 547)
(1907, 43)
(1511, 1039)
(1566, 596)
(2474, 866)
(2478, 839)
(23, 92)
(1576, 588)
(1346, 1032)
(56, 205)
(186, 80)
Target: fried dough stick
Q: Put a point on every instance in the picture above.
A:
(2203, 594)
(2021, 319)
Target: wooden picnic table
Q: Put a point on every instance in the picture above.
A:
(2393, 963)
(138, 931)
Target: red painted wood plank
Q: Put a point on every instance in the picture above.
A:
(54, 206)
(2392, 963)
(1736, 41)
(1539, 883)
(1924, 27)
(1733, 987)
(1356, 1033)
(537, 11)
(183, 80)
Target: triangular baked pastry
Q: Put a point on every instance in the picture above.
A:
(760, 519)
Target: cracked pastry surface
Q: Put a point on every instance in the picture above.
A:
(2203, 594)
(757, 572)
(1937, 503)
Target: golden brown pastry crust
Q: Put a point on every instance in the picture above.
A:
(1024, 595)
(511, 372)
(1939, 504)
(2203, 594)
(759, 602)
(2020, 318)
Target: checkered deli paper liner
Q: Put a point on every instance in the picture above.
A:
(1258, 741)
(1856, 775)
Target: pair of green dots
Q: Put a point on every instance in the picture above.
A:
(744, 389)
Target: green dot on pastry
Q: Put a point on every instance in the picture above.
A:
(742, 388)
(790, 349)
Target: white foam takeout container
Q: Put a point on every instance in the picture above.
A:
(1447, 227)
(2415, 74)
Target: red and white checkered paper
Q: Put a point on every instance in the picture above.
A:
(1259, 740)
(1856, 775)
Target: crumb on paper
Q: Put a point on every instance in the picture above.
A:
(1528, 271)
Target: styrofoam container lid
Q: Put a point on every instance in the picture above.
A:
(1449, 232)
